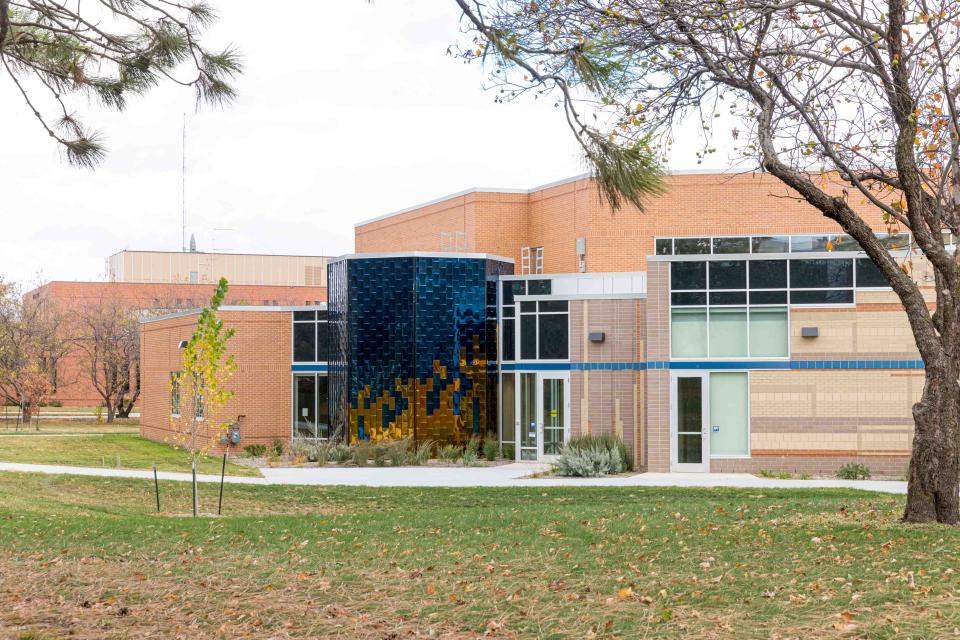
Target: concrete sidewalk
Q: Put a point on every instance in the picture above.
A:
(508, 475)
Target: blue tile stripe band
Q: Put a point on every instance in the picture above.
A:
(712, 364)
(309, 368)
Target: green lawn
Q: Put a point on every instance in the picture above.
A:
(117, 450)
(87, 557)
(47, 426)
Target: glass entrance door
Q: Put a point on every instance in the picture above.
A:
(542, 410)
(689, 437)
(553, 414)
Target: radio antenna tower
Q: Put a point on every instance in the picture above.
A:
(183, 187)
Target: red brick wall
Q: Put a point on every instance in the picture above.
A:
(693, 204)
(74, 387)
(261, 384)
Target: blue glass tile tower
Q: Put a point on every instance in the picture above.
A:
(413, 345)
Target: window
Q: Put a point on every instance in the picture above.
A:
(768, 274)
(531, 260)
(731, 245)
(821, 273)
(664, 246)
(768, 333)
(868, 275)
(311, 417)
(175, 393)
(688, 333)
(806, 244)
(310, 336)
(688, 275)
(510, 289)
(770, 244)
(544, 330)
(691, 246)
(728, 274)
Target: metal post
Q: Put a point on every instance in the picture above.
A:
(156, 487)
(223, 470)
(194, 485)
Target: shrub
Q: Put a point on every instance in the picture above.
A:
(255, 450)
(490, 449)
(422, 452)
(380, 452)
(321, 453)
(302, 449)
(589, 462)
(277, 447)
(470, 457)
(606, 441)
(779, 475)
(852, 471)
(509, 451)
(341, 453)
(361, 453)
(399, 452)
(448, 453)
(473, 445)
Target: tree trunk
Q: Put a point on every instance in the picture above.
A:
(934, 476)
(111, 412)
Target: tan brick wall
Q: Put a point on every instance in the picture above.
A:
(261, 385)
(693, 204)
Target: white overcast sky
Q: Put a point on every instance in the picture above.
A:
(347, 110)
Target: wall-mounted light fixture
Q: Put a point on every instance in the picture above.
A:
(183, 344)
(810, 332)
(597, 336)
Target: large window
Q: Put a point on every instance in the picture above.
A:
(310, 336)
(175, 393)
(311, 417)
(510, 289)
(820, 243)
(544, 330)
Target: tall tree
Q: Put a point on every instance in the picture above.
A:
(33, 340)
(107, 50)
(863, 92)
(109, 342)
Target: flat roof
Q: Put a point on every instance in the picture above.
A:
(542, 187)
(221, 253)
(422, 254)
(236, 307)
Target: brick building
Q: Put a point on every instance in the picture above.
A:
(155, 296)
(729, 327)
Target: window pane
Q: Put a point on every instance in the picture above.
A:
(304, 315)
(507, 312)
(825, 296)
(768, 297)
(528, 307)
(768, 274)
(728, 297)
(528, 337)
(688, 332)
(323, 341)
(800, 244)
(895, 241)
(771, 244)
(306, 416)
(822, 273)
(843, 242)
(554, 337)
(538, 288)
(509, 335)
(768, 333)
(664, 246)
(728, 274)
(322, 315)
(323, 408)
(688, 298)
(552, 305)
(304, 342)
(691, 246)
(728, 333)
(688, 275)
(731, 245)
(508, 410)
(868, 275)
(513, 288)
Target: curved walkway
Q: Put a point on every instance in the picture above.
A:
(507, 475)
